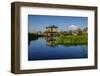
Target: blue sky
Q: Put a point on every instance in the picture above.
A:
(40, 22)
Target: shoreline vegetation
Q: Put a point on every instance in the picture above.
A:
(61, 40)
(82, 39)
(75, 36)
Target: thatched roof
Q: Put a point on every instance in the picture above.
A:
(53, 26)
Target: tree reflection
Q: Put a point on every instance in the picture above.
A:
(32, 37)
(56, 41)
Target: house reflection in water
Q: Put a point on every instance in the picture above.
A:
(50, 35)
(51, 41)
(51, 31)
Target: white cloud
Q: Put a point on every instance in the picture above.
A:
(73, 27)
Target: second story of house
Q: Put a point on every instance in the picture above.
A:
(52, 28)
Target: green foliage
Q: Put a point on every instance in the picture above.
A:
(63, 40)
(71, 39)
(32, 36)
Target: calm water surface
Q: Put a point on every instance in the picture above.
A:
(40, 49)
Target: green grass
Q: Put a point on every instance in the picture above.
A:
(71, 39)
(63, 40)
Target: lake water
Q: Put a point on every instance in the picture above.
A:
(41, 49)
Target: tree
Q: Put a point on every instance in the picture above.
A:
(79, 31)
(85, 29)
(70, 32)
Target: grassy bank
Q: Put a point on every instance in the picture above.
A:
(62, 40)
(71, 39)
